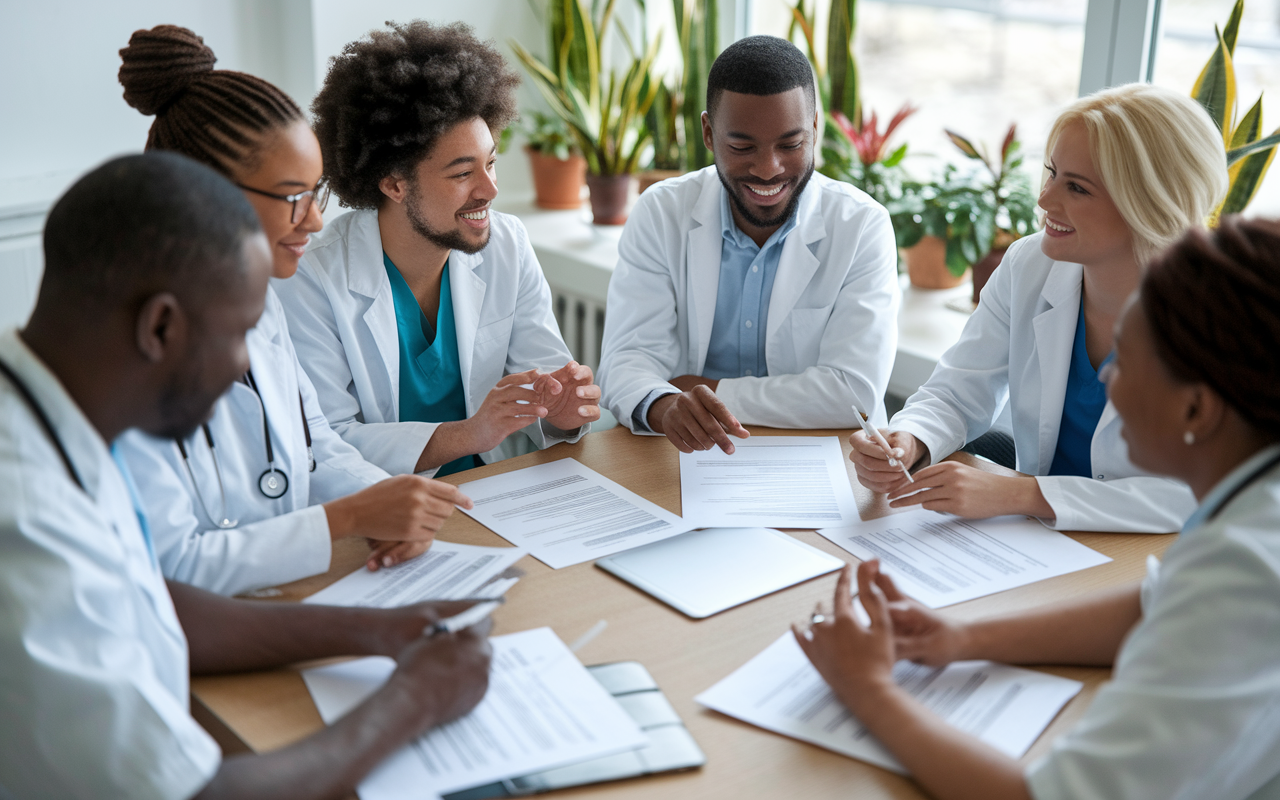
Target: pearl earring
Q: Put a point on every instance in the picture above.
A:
(1189, 438)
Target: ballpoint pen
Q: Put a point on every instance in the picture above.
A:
(878, 437)
(464, 619)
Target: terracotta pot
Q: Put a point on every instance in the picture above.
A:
(983, 269)
(927, 265)
(609, 196)
(651, 176)
(557, 184)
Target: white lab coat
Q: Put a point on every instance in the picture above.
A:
(1193, 706)
(343, 321)
(93, 687)
(276, 541)
(832, 329)
(1016, 348)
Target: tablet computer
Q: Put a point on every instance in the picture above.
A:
(704, 572)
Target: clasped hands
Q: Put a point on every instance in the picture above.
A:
(566, 398)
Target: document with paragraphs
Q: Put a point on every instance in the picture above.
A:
(543, 710)
(447, 571)
(564, 513)
(768, 482)
(941, 559)
(779, 690)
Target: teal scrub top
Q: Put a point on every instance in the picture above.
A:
(1081, 409)
(430, 374)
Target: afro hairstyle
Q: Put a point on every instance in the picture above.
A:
(389, 97)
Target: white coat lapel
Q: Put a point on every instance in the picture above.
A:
(703, 265)
(796, 266)
(367, 277)
(1055, 329)
(467, 290)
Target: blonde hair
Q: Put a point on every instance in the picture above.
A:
(1160, 157)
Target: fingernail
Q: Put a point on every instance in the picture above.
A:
(386, 561)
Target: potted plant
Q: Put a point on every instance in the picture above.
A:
(973, 215)
(1248, 154)
(860, 154)
(559, 170)
(605, 113)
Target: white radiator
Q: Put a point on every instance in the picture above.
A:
(581, 322)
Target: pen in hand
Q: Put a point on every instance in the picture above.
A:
(464, 619)
(878, 437)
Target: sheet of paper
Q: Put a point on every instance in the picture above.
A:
(565, 513)
(543, 710)
(779, 690)
(447, 571)
(768, 482)
(940, 559)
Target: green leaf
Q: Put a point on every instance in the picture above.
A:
(1246, 176)
(895, 158)
(964, 144)
(1215, 89)
(842, 65)
(1253, 147)
(1233, 27)
(956, 262)
(1250, 128)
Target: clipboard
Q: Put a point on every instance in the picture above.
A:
(671, 747)
(704, 572)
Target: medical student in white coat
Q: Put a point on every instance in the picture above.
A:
(257, 495)
(753, 291)
(423, 317)
(1192, 709)
(1128, 171)
(155, 268)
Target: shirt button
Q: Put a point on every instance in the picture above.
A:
(1100, 477)
(755, 267)
(748, 323)
(748, 372)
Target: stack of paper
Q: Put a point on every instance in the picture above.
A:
(565, 513)
(941, 559)
(447, 571)
(779, 690)
(770, 482)
(543, 710)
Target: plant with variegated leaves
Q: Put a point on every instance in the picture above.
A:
(860, 154)
(838, 81)
(1248, 154)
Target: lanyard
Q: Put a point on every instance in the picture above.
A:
(1245, 484)
(30, 400)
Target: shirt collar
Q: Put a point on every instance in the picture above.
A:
(734, 235)
(1225, 487)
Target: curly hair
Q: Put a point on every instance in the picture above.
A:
(390, 96)
(216, 116)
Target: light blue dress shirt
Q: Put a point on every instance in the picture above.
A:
(747, 271)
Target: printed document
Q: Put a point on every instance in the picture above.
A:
(543, 710)
(565, 513)
(779, 690)
(768, 482)
(941, 559)
(447, 571)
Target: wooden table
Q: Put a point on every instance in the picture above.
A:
(264, 711)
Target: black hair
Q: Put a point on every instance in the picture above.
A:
(216, 116)
(143, 224)
(389, 97)
(1211, 301)
(759, 65)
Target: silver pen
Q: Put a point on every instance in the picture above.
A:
(878, 438)
(464, 619)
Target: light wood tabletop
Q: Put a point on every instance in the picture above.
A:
(267, 710)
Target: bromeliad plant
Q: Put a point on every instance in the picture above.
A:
(974, 211)
(1248, 154)
(860, 154)
(605, 114)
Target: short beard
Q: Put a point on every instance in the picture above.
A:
(184, 407)
(762, 222)
(448, 240)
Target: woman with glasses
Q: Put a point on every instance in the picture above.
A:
(1128, 171)
(257, 495)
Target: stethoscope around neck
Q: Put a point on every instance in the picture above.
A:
(273, 483)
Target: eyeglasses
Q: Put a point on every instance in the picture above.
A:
(301, 201)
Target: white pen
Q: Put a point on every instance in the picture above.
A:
(464, 619)
(878, 437)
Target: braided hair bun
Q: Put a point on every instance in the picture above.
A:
(160, 64)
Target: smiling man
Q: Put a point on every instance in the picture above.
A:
(753, 291)
(422, 317)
